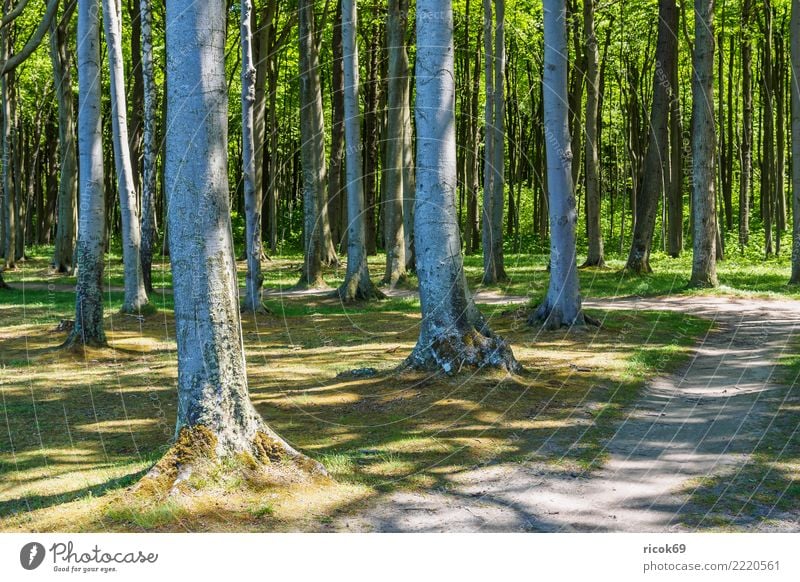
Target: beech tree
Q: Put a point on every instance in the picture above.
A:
(149, 146)
(704, 259)
(312, 137)
(215, 414)
(393, 170)
(795, 121)
(495, 136)
(595, 256)
(135, 294)
(357, 284)
(61, 58)
(88, 329)
(453, 332)
(562, 304)
(656, 163)
(252, 193)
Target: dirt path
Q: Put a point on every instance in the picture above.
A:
(701, 421)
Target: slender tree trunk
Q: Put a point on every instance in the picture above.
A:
(214, 407)
(704, 269)
(149, 146)
(675, 197)
(357, 284)
(562, 304)
(494, 151)
(409, 176)
(453, 332)
(66, 233)
(393, 171)
(7, 92)
(312, 129)
(747, 127)
(656, 163)
(252, 300)
(336, 186)
(594, 232)
(794, 29)
(88, 329)
(135, 294)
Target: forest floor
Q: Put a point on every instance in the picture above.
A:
(577, 438)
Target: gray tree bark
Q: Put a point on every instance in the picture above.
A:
(794, 28)
(213, 399)
(562, 304)
(704, 265)
(747, 127)
(357, 284)
(135, 294)
(594, 231)
(494, 160)
(149, 146)
(393, 167)
(312, 131)
(656, 163)
(252, 300)
(66, 233)
(453, 333)
(88, 329)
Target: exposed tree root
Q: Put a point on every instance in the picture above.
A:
(552, 318)
(195, 459)
(355, 290)
(453, 352)
(596, 263)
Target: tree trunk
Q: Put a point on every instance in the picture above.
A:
(494, 150)
(675, 196)
(66, 233)
(794, 28)
(656, 165)
(594, 233)
(135, 294)
(214, 407)
(336, 187)
(88, 329)
(393, 171)
(704, 267)
(453, 332)
(252, 300)
(149, 146)
(9, 204)
(562, 304)
(312, 129)
(747, 128)
(357, 285)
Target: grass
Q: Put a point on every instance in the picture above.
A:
(81, 430)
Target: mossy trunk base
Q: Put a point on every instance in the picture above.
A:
(451, 353)
(196, 453)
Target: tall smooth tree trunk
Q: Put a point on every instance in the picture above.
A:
(794, 30)
(252, 300)
(594, 232)
(494, 149)
(88, 329)
(215, 413)
(66, 233)
(135, 294)
(312, 131)
(409, 175)
(704, 266)
(675, 195)
(393, 171)
(9, 198)
(336, 186)
(656, 164)
(357, 285)
(453, 332)
(747, 127)
(149, 146)
(562, 304)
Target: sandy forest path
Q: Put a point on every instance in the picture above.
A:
(701, 421)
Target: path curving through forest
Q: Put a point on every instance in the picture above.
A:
(704, 420)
